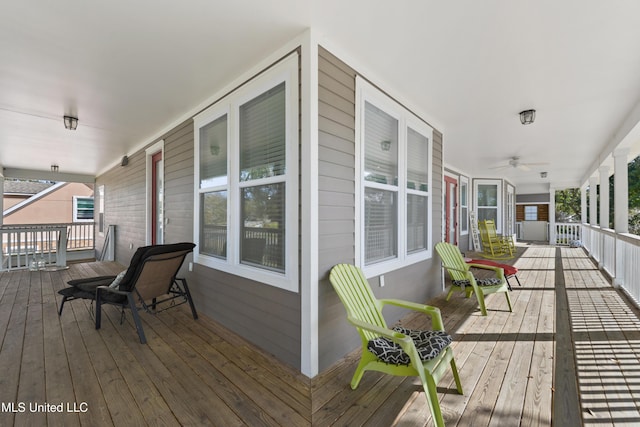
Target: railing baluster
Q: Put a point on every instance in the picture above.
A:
(9, 244)
(566, 233)
(38, 245)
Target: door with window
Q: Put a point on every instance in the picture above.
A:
(488, 201)
(509, 224)
(451, 210)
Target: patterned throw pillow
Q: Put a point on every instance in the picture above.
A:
(428, 343)
(480, 282)
(118, 279)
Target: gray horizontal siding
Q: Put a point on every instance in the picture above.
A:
(264, 315)
(178, 176)
(336, 212)
(125, 192)
(336, 201)
(438, 192)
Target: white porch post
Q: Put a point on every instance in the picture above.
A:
(1, 195)
(593, 200)
(621, 191)
(620, 207)
(583, 204)
(604, 196)
(552, 216)
(309, 347)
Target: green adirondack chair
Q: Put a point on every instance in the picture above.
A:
(462, 279)
(397, 351)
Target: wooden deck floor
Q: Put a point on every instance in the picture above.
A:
(567, 356)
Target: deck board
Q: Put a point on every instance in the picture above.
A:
(196, 372)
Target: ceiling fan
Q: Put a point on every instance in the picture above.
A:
(515, 163)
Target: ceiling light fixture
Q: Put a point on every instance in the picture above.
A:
(70, 123)
(527, 117)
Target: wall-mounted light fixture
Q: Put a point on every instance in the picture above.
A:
(70, 123)
(54, 168)
(527, 117)
(543, 174)
(385, 145)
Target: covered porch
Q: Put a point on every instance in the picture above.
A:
(568, 354)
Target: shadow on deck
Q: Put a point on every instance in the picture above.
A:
(567, 355)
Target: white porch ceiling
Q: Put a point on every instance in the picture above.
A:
(129, 69)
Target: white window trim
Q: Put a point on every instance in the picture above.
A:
(158, 147)
(499, 207)
(100, 210)
(510, 222)
(464, 181)
(365, 92)
(75, 209)
(285, 71)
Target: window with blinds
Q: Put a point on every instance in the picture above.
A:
(417, 190)
(417, 220)
(381, 146)
(262, 135)
(247, 176)
(396, 182)
(380, 225)
(263, 155)
(82, 209)
(381, 168)
(464, 205)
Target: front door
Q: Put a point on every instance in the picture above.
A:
(451, 210)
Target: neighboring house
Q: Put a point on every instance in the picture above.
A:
(16, 191)
(288, 171)
(27, 202)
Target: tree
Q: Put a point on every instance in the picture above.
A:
(634, 184)
(568, 205)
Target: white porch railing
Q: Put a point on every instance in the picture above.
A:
(39, 246)
(628, 265)
(608, 251)
(519, 233)
(618, 255)
(566, 233)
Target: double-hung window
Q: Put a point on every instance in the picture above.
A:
(394, 167)
(464, 205)
(246, 180)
